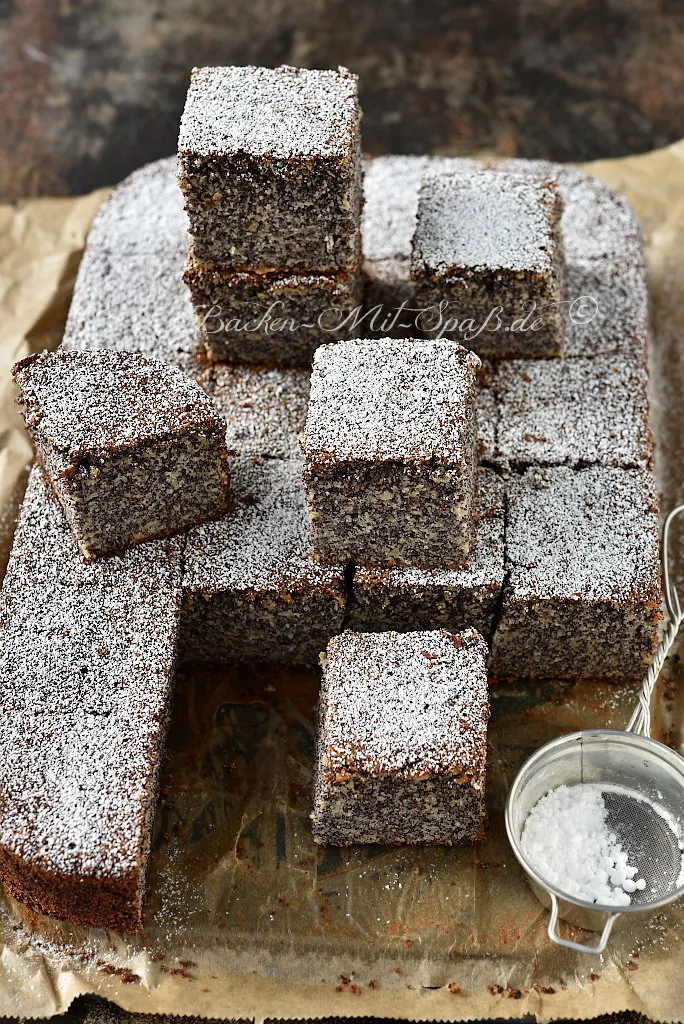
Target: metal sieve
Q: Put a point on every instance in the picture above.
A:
(637, 772)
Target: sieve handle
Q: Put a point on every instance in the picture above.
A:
(579, 947)
(640, 722)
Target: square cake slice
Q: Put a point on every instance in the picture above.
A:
(132, 448)
(487, 260)
(87, 655)
(402, 739)
(125, 302)
(264, 410)
(408, 599)
(252, 588)
(607, 304)
(390, 452)
(276, 319)
(270, 167)
(583, 597)
(573, 412)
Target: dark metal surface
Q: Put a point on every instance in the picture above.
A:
(90, 89)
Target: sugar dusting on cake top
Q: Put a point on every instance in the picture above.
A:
(279, 112)
(264, 410)
(391, 400)
(406, 704)
(128, 302)
(607, 303)
(264, 544)
(86, 662)
(589, 534)
(485, 222)
(574, 412)
(84, 403)
(144, 214)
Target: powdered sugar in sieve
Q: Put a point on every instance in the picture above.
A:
(603, 844)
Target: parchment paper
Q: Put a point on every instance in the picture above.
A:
(246, 919)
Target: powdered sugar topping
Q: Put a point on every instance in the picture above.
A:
(132, 303)
(264, 410)
(590, 533)
(144, 214)
(391, 400)
(86, 661)
(568, 841)
(279, 112)
(596, 221)
(93, 402)
(485, 222)
(407, 704)
(390, 188)
(573, 412)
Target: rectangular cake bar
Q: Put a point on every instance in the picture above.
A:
(86, 663)
(276, 319)
(583, 596)
(270, 167)
(409, 599)
(252, 588)
(487, 257)
(402, 739)
(574, 412)
(607, 308)
(264, 410)
(390, 452)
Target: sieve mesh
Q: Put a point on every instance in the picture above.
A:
(649, 841)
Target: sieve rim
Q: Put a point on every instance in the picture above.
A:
(653, 748)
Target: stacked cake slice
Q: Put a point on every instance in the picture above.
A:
(390, 467)
(390, 453)
(270, 168)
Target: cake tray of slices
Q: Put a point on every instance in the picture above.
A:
(315, 548)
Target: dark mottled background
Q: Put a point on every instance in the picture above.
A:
(90, 89)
